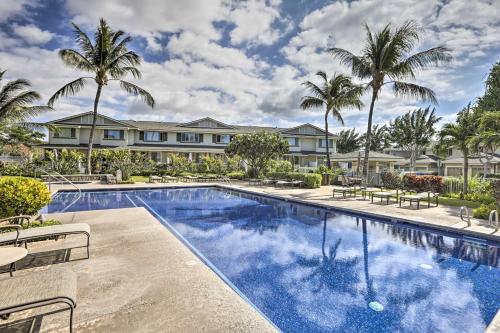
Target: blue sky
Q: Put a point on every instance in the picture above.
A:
(244, 62)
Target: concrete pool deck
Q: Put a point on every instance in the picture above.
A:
(141, 278)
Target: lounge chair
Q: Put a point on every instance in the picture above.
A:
(37, 289)
(154, 179)
(387, 195)
(53, 231)
(168, 179)
(254, 181)
(298, 183)
(423, 196)
(283, 183)
(344, 191)
(268, 181)
(368, 191)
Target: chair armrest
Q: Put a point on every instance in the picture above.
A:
(12, 226)
(17, 220)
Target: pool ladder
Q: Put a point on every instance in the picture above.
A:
(60, 178)
(467, 215)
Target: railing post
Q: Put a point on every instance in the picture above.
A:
(467, 216)
(494, 223)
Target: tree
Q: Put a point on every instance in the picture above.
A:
(458, 135)
(348, 141)
(490, 101)
(487, 140)
(413, 131)
(16, 135)
(107, 59)
(258, 149)
(16, 101)
(385, 60)
(334, 95)
(379, 139)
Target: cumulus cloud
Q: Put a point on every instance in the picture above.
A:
(32, 34)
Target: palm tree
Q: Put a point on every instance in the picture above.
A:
(385, 61)
(458, 135)
(413, 131)
(107, 59)
(487, 139)
(348, 141)
(334, 95)
(16, 101)
(379, 139)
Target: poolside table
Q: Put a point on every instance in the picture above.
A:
(9, 256)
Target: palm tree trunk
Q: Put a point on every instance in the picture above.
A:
(466, 171)
(369, 289)
(369, 134)
(92, 130)
(328, 162)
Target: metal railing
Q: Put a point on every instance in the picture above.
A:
(493, 219)
(467, 216)
(58, 177)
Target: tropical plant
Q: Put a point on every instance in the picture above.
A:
(258, 149)
(128, 162)
(19, 135)
(385, 60)
(22, 196)
(348, 141)
(490, 101)
(413, 131)
(107, 59)
(487, 140)
(64, 161)
(379, 138)
(458, 135)
(334, 95)
(16, 101)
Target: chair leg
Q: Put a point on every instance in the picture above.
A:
(71, 319)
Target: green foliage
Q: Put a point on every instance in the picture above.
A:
(413, 131)
(490, 101)
(311, 180)
(391, 180)
(348, 141)
(258, 149)
(65, 161)
(128, 162)
(17, 135)
(237, 175)
(22, 196)
(280, 166)
(178, 164)
(483, 211)
(38, 224)
(379, 138)
(212, 165)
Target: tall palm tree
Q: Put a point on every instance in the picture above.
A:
(413, 131)
(348, 141)
(385, 60)
(459, 135)
(334, 95)
(107, 59)
(16, 101)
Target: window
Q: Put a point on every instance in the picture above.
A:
(293, 142)
(322, 143)
(67, 133)
(114, 134)
(222, 138)
(190, 137)
(152, 136)
(449, 151)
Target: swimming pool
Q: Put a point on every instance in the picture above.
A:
(310, 269)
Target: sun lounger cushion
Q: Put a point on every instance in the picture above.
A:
(54, 230)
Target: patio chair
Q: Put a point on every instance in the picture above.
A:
(154, 179)
(368, 191)
(344, 191)
(423, 196)
(283, 183)
(387, 195)
(38, 289)
(268, 181)
(298, 183)
(53, 231)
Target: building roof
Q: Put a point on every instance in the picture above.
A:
(374, 156)
(472, 160)
(422, 159)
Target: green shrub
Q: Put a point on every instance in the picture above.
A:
(483, 212)
(483, 198)
(391, 180)
(280, 166)
(311, 180)
(237, 175)
(22, 196)
(423, 183)
(65, 161)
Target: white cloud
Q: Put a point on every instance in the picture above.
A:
(9, 8)
(254, 20)
(32, 34)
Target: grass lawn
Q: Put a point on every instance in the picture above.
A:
(458, 202)
(140, 179)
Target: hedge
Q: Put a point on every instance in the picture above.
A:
(423, 183)
(237, 175)
(311, 180)
(22, 196)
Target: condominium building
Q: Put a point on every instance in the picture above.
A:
(193, 139)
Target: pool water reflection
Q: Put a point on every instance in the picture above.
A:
(312, 270)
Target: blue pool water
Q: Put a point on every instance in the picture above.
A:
(314, 270)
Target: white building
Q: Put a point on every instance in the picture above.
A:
(193, 139)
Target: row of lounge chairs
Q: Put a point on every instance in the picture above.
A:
(349, 189)
(186, 179)
(43, 288)
(276, 182)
